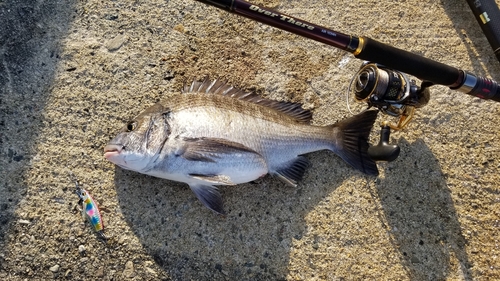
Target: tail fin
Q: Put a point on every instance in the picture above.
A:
(352, 134)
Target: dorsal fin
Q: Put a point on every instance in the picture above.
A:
(208, 86)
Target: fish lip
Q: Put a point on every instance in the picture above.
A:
(111, 150)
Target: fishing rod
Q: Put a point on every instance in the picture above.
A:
(381, 81)
(369, 49)
(488, 16)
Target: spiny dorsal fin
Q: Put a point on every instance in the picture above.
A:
(208, 86)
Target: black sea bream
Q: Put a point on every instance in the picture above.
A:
(213, 134)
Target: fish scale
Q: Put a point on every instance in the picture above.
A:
(215, 134)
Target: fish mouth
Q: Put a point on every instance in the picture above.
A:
(112, 150)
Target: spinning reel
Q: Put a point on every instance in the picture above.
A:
(393, 93)
(379, 85)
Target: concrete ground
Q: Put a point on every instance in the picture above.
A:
(72, 72)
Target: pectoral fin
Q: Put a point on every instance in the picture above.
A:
(209, 149)
(214, 179)
(209, 196)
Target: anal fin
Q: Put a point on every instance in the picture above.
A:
(293, 171)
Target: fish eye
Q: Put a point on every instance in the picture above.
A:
(131, 126)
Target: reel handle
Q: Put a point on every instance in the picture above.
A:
(384, 151)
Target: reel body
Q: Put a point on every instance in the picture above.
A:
(390, 91)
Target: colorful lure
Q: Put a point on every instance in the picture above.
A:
(90, 210)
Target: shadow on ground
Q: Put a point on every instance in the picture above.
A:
(252, 242)
(421, 215)
(30, 33)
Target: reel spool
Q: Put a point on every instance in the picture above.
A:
(390, 91)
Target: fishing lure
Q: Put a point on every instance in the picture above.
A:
(90, 211)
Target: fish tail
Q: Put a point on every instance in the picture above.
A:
(351, 137)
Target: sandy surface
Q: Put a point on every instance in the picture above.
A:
(71, 72)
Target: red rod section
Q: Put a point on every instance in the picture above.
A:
(296, 26)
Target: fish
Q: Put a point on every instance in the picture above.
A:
(90, 210)
(213, 134)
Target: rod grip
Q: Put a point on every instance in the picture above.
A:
(418, 66)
